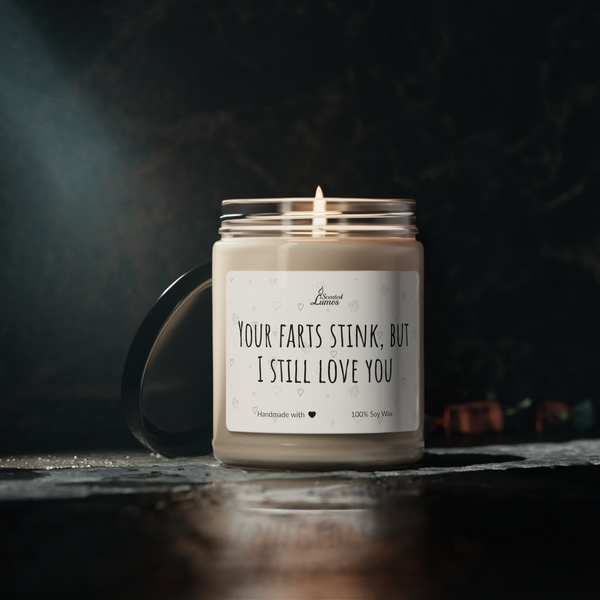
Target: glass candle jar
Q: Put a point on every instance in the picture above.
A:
(318, 334)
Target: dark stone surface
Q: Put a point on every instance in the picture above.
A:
(92, 471)
(146, 527)
(124, 124)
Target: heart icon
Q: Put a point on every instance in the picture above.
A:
(379, 334)
(403, 296)
(396, 398)
(276, 304)
(312, 414)
(300, 392)
(403, 380)
(320, 285)
(231, 279)
(231, 361)
(275, 419)
(333, 353)
(255, 409)
(300, 305)
(235, 402)
(276, 390)
(380, 418)
(396, 314)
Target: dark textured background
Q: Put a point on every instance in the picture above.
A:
(123, 124)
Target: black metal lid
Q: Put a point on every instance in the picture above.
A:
(167, 389)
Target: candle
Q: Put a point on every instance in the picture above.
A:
(317, 334)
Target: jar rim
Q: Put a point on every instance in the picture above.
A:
(318, 217)
(298, 202)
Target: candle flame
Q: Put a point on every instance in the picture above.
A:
(319, 223)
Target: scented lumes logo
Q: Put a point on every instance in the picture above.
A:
(324, 299)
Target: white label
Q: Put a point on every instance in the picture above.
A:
(322, 352)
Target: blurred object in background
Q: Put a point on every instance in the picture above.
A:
(473, 418)
(521, 417)
(552, 414)
(583, 416)
(526, 417)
